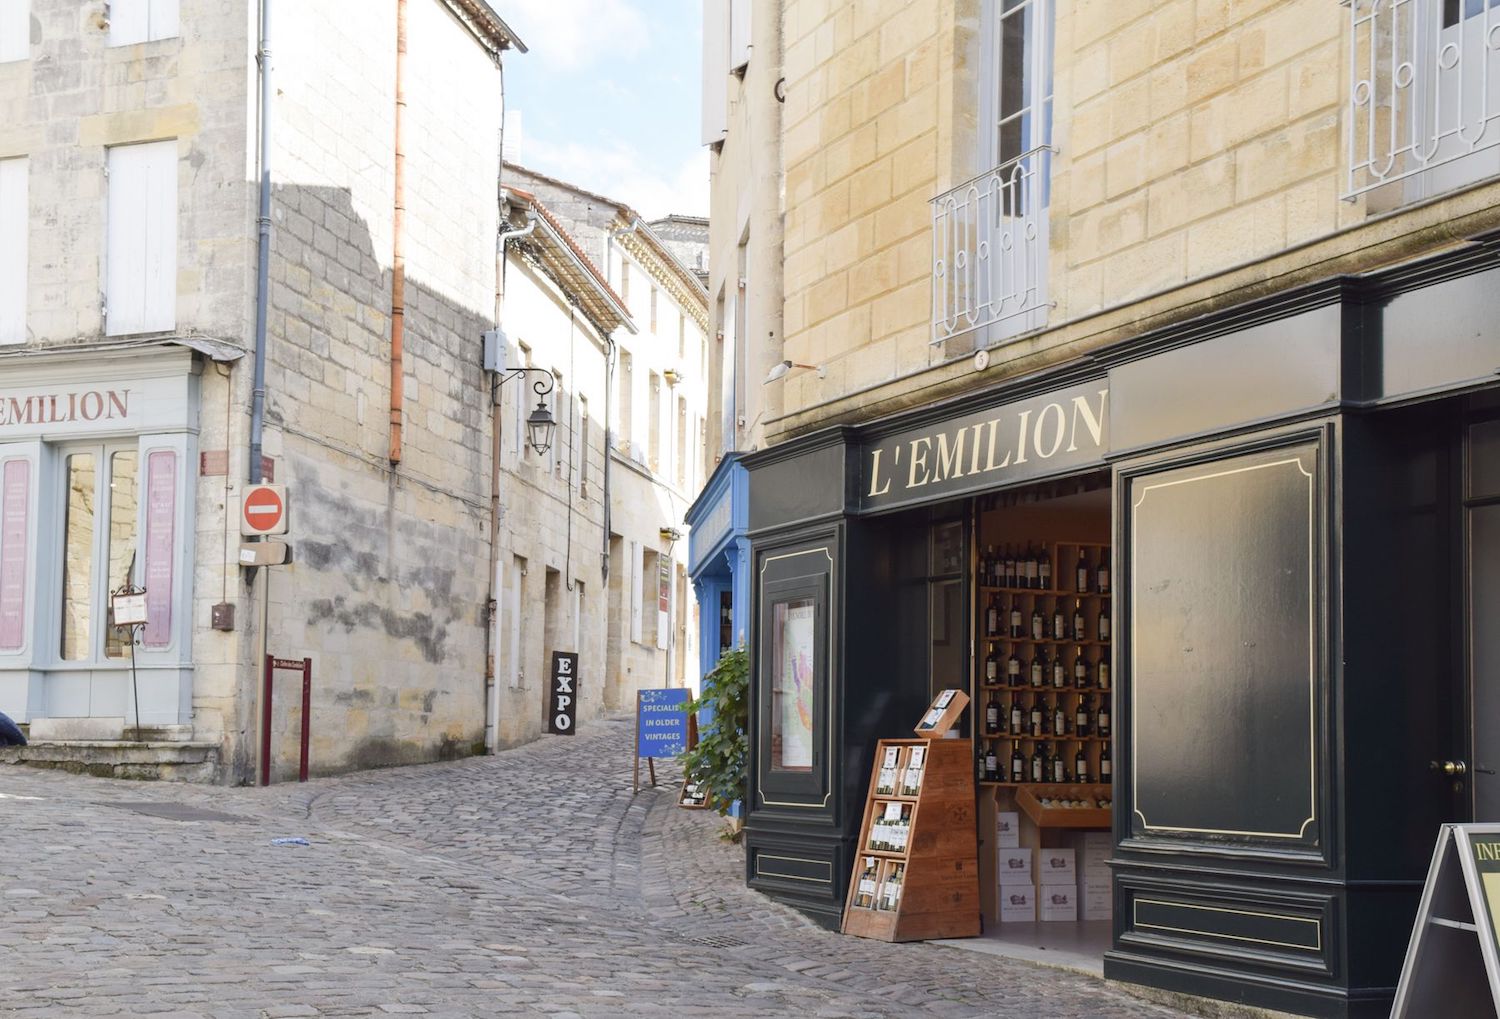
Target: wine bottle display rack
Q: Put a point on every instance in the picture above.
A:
(1043, 652)
(915, 869)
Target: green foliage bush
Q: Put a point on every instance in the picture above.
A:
(720, 760)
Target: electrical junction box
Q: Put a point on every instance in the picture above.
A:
(496, 350)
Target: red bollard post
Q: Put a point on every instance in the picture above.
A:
(265, 727)
(306, 716)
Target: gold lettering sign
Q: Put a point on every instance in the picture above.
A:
(1029, 438)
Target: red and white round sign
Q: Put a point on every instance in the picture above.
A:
(264, 510)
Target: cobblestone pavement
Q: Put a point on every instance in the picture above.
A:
(530, 883)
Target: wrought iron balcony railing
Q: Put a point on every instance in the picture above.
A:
(989, 251)
(1424, 94)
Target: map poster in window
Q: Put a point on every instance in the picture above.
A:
(795, 635)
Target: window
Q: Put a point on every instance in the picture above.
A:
(682, 446)
(141, 246)
(133, 21)
(519, 410)
(793, 637)
(647, 587)
(681, 335)
(625, 281)
(633, 579)
(99, 549)
(14, 226)
(626, 386)
(515, 597)
(15, 30)
(653, 423)
(583, 447)
(654, 298)
(556, 402)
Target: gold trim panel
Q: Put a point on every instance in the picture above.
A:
(762, 872)
(1317, 924)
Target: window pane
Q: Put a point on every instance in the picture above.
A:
(123, 497)
(78, 558)
(794, 631)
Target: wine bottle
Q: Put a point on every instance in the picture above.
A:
(992, 716)
(1036, 718)
(1079, 633)
(1102, 574)
(1044, 569)
(1059, 625)
(1009, 567)
(1016, 720)
(1059, 671)
(1015, 619)
(987, 565)
(1059, 718)
(1059, 771)
(865, 897)
(1037, 772)
(1103, 717)
(1081, 767)
(992, 665)
(1080, 670)
(1081, 582)
(1037, 633)
(992, 617)
(991, 764)
(1017, 765)
(1106, 770)
(1013, 669)
(1038, 670)
(1104, 673)
(1081, 716)
(1104, 624)
(1032, 567)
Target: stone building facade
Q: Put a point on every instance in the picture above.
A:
(1224, 276)
(657, 412)
(130, 157)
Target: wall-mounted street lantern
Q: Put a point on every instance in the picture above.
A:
(540, 425)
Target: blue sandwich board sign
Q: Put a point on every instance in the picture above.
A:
(661, 727)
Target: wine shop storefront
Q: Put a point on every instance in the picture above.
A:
(1217, 595)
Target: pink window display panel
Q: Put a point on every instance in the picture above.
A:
(161, 524)
(15, 508)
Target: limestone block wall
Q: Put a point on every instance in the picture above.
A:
(390, 589)
(1200, 160)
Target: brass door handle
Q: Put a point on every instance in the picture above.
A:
(1455, 769)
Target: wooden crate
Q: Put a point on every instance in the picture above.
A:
(939, 863)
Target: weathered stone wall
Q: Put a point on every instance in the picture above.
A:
(389, 591)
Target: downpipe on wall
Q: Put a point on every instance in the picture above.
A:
(258, 390)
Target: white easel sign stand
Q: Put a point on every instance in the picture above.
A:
(1452, 964)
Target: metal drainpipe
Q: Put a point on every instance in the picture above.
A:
(398, 252)
(263, 255)
(492, 633)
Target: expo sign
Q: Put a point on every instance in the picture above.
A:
(562, 697)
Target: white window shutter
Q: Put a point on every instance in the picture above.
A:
(14, 217)
(141, 244)
(739, 33)
(129, 22)
(715, 70)
(15, 30)
(162, 15)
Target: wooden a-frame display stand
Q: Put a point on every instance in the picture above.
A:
(916, 866)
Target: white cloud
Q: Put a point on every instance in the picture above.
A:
(624, 173)
(572, 34)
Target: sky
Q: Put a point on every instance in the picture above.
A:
(608, 98)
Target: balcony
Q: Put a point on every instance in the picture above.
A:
(1424, 95)
(989, 252)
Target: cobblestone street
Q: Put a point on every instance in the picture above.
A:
(528, 883)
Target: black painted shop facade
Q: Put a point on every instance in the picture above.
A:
(1305, 499)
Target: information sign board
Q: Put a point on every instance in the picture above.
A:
(1453, 960)
(661, 724)
(562, 694)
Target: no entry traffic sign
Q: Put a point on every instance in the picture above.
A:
(264, 510)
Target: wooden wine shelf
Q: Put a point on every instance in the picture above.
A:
(940, 887)
(1028, 798)
(1046, 592)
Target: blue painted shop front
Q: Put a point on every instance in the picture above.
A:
(719, 561)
